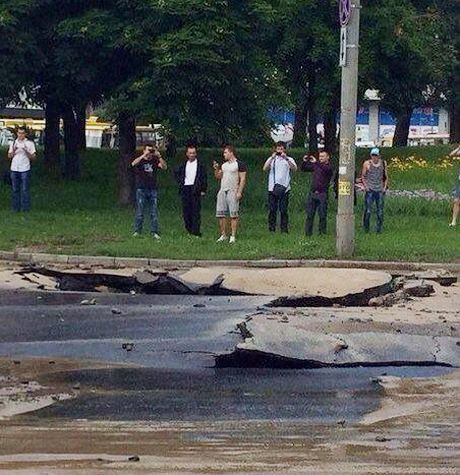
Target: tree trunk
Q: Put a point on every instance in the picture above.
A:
(127, 150)
(52, 134)
(72, 167)
(330, 131)
(171, 147)
(312, 130)
(312, 114)
(300, 124)
(81, 121)
(402, 128)
(454, 119)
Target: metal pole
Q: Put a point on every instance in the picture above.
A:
(349, 61)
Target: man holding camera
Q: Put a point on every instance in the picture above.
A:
(145, 169)
(318, 196)
(21, 152)
(279, 167)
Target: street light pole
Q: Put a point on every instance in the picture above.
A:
(349, 54)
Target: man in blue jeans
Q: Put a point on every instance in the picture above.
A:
(145, 170)
(375, 182)
(21, 152)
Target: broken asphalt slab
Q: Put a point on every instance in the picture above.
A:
(287, 287)
(289, 342)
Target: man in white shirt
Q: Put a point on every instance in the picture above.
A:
(21, 152)
(232, 176)
(279, 166)
(192, 181)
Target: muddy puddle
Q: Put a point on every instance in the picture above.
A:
(135, 394)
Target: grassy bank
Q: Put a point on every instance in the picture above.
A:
(83, 217)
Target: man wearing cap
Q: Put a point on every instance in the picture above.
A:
(375, 182)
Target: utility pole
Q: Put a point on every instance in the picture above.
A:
(349, 12)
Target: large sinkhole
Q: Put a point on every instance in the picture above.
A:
(316, 290)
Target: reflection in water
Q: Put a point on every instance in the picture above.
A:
(321, 395)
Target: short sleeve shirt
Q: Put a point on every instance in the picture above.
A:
(280, 172)
(20, 161)
(230, 175)
(146, 174)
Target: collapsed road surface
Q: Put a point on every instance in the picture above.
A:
(212, 316)
(146, 365)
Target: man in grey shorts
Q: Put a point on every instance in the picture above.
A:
(232, 176)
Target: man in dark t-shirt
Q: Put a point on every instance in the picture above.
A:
(145, 170)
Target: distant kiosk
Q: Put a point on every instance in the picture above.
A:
(98, 134)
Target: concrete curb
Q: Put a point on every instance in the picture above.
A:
(133, 262)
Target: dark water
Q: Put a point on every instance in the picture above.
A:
(320, 395)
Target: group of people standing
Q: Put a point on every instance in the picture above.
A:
(192, 181)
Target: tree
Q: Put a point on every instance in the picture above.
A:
(209, 79)
(18, 50)
(449, 90)
(303, 36)
(406, 57)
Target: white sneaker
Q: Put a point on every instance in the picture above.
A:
(222, 238)
(452, 224)
(156, 236)
(136, 234)
(232, 240)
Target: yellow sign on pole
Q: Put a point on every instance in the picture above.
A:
(344, 188)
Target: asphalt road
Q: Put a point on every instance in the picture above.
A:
(161, 331)
(169, 344)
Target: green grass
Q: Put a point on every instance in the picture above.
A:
(83, 217)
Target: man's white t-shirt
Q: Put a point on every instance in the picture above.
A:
(280, 172)
(190, 172)
(230, 175)
(20, 162)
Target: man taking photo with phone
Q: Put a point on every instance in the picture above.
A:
(21, 152)
(319, 193)
(279, 167)
(145, 169)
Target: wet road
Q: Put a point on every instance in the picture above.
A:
(174, 340)
(324, 395)
(161, 331)
(180, 415)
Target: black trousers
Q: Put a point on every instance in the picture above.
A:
(316, 202)
(191, 210)
(276, 203)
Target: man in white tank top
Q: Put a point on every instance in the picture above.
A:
(232, 176)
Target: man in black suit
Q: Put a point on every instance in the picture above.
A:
(192, 180)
